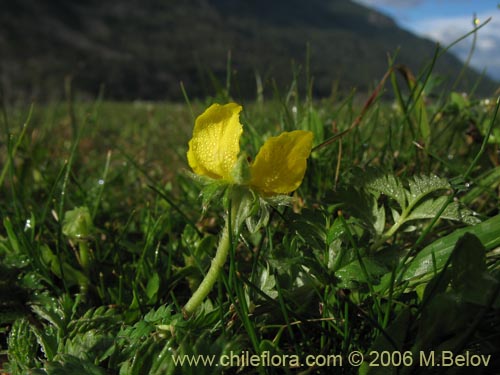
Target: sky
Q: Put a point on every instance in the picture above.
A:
(445, 21)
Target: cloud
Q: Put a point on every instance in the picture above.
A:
(447, 27)
(446, 30)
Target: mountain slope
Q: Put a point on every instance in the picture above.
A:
(144, 49)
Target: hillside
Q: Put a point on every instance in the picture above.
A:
(144, 49)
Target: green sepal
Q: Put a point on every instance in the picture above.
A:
(77, 224)
(241, 170)
(243, 206)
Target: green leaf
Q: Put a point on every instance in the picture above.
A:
(336, 230)
(153, 286)
(357, 203)
(494, 137)
(417, 202)
(434, 256)
(379, 214)
(211, 190)
(488, 182)
(11, 235)
(452, 298)
(259, 217)
(162, 315)
(312, 122)
(244, 203)
(429, 208)
(100, 319)
(309, 225)
(68, 364)
(71, 275)
(93, 345)
(444, 317)
(421, 186)
(388, 185)
(458, 101)
(354, 272)
(418, 187)
(267, 282)
(23, 347)
(469, 275)
(468, 260)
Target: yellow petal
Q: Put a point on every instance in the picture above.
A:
(213, 150)
(281, 162)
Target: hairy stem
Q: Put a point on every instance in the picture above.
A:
(213, 273)
(84, 253)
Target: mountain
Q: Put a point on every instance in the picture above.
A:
(143, 49)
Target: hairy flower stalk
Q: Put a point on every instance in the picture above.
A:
(213, 273)
(278, 169)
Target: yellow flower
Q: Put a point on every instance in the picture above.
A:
(280, 164)
(214, 148)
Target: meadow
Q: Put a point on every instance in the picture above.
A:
(385, 259)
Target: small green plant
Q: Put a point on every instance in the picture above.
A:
(278, 169)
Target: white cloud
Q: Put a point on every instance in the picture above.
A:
(447, 30)
(487, 44)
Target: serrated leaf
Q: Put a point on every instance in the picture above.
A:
(357, 204)
(139, 330)
(23, 347)
(50, 314)
(423, 185)
(101, 318)
(419, 187)
(48, 339)
(429, 208)
(91, 345)
(309, 225)
(389, 185)
(416, 202)
(162, 315)
(68, 364)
